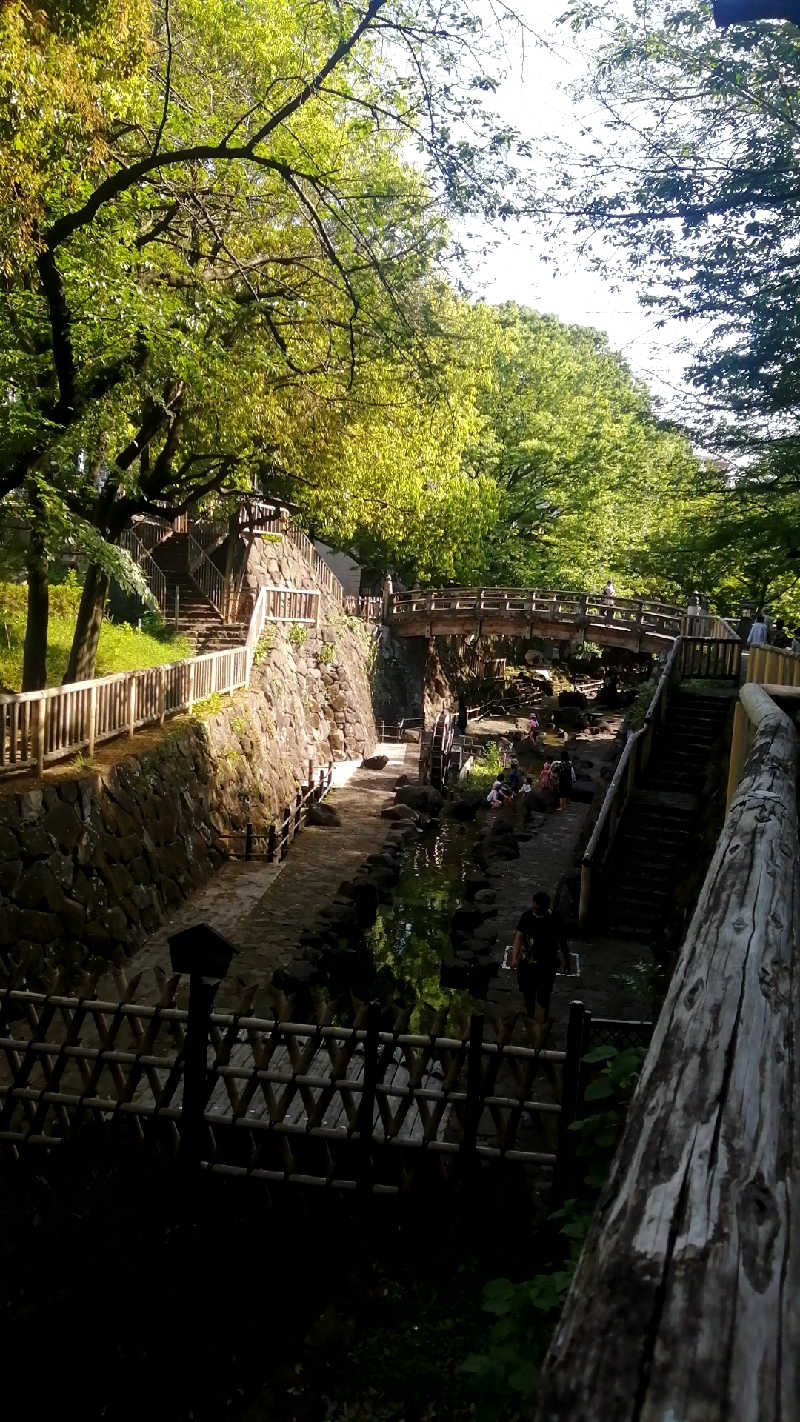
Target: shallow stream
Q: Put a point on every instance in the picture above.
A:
(411, 934)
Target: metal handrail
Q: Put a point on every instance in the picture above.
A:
(205, 575)
(144, 560)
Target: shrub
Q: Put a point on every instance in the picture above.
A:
(297, 634)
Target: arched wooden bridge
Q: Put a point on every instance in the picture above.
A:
(637, 624)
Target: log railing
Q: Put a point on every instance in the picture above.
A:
(37, 727)
(291, 604)
(692, 1262)
(715, 658)
(367, 608)
(630, 767)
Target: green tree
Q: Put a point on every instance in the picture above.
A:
(687, 168)
(212, 222)
(583, 467)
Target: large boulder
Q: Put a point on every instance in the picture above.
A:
(399, 812)
(374, 762)
(572, 698)
(322, 814)
(424, 798)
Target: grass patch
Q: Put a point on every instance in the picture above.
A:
(485, 769)
(121, 647)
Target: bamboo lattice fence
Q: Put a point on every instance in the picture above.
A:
(344, 1106)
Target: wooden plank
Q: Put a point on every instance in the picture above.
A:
(692, 1264)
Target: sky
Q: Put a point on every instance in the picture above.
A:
(533, 98)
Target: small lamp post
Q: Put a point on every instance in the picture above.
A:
(206, 956)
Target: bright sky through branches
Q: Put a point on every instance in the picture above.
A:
(534, 98)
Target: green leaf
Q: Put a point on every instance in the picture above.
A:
(600, 1054)
(599, 1089)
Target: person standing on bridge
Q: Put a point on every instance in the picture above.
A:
(757, 636)
(538, 943)
(607, 600)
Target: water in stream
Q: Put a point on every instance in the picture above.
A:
(411, 935)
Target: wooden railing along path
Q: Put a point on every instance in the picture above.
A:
(37, 727)
(272, 841)
(692, 1262)
(630, 768)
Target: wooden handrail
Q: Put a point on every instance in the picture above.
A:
(634, 758)
(695, 1226)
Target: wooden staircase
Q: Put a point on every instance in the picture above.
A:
(655, 840)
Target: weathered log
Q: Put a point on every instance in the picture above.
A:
(684, 1304)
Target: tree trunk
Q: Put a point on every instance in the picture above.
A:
(83, 654)
(34, 653)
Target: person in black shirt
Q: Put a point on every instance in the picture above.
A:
(539, 942)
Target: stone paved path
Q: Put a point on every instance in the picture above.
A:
(544, 860)
(263, 908)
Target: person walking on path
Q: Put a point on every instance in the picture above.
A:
(539, 942)
(566, 779)
(757, 636)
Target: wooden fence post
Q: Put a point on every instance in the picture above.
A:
(298, 812)
(190, 698)
(586, 893)
(284, 848)
(162, 695)
(248, 840)
(366, 1109)
(41, 732)
(205, 955)
(577, 1030)
(92, 717)
(473, 1107)
(195, 1080)
(272, 837)
(132, 704)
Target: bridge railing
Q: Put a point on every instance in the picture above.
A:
(696, 1229)
(630, 767)
(532, 603)
(772, 666)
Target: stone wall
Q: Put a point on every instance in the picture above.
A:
(92, 861)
